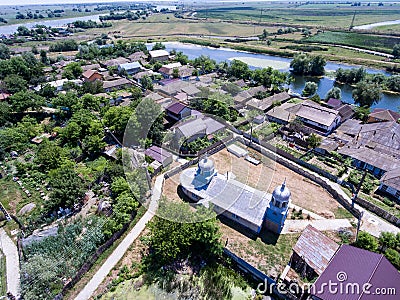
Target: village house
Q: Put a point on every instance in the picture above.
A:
(91, 76)
(374, 147)
(137, 56)
(383, 115)
(116, 84)
(390, 183)
(320, 119)
(177, 111)
(167, 70)
(91, 67)
(115, 62)
(130, 68)
(283, 114)
(312, 253)
(249, 208)
(160, 155)
(359, 268)
(267, 103)
(193, 129)
(159, 55)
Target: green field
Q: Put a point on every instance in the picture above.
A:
(320, 15)
(370, 42)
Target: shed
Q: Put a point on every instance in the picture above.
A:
(158, 154)
(312, 252)
(236, 150)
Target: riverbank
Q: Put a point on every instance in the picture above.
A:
(270, 50)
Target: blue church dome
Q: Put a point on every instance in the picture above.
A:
(281, 193)
(206, 165)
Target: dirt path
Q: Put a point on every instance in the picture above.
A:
(119, 252)
(10, 251)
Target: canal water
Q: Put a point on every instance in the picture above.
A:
(389, 101)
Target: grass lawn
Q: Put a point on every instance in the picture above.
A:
(390, 209)
(342, 213)
(370, 42)
(3, 279)
(269, 253)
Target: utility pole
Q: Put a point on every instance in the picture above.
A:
(352, 21)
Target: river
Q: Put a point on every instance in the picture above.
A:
(373, 25)
(389, 101)
(10, 29)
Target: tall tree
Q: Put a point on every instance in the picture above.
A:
(335, 93)
(366, 94)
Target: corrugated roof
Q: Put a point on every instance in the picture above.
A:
(158, 53)
(176, 107)
(314, 112)
(392, 178)
(357, 267)
(315, 249)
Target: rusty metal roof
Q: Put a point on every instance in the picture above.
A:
(315, 248)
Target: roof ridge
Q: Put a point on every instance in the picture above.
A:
(372, 274)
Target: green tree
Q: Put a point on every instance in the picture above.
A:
(71, 133)
(366, 94)
(396, 51)
(175, 73)
(67, 188)
(43, 57)
(304, 64)
(23, 100)
(362, 112)
(387, 240)
(146, 82)
(158, 46)
(182, 58)
(309, 89)
(394, 257)
(334, 92)
(93, 142)
(90, 102)
(4, 51)
(72, 71)
(15, 83)
(314, 140)
(367, 241)
(5, 111)
(205, 64)
(170, 240)
(116, 118)
(239, 69)
(49, 156)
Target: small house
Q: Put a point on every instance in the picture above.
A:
(117, 84)
(160, 155)
(130, 68)
(383, 115)
(91, 76)
(159, 55)
(178, 111)
(312, 253)
(390, 183)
